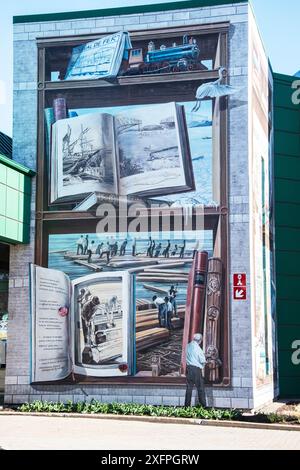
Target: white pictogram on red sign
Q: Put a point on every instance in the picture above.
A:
(240, 293)
(239, 280)
(240, 287)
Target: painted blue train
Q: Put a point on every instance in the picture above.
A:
(176, 58)
(173, 54)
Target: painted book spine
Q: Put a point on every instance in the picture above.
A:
(60, 108)
(49, 120)
(214, 298)
(194, 317)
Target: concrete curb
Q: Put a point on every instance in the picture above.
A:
(245, 425)
(165, 420)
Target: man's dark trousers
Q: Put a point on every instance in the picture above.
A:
(194, 377)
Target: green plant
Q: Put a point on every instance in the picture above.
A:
(275, 418)
(133, 409)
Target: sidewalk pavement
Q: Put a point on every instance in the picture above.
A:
(39, 432)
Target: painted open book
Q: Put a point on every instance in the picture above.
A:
(144, 152)
(84, 326)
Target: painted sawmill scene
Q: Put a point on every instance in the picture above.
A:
(172, 292)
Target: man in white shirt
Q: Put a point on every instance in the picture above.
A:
(195, 362)
(162, 309)
(91, 250)
(80, 243)
(85, 244)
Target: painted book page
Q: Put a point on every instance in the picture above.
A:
(50, 294)
(85, 155)
(201, 136)
(101, 308)
(150, 156)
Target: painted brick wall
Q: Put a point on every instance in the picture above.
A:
(30, 31)
(25, 135)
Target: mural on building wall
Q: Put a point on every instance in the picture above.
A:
(117, 304)
(260, 171)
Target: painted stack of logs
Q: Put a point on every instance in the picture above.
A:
(143, 304)
(148, 332)
(149, 338)
(163, 276)
(132, 263)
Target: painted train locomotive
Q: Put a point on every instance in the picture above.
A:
(178, 58)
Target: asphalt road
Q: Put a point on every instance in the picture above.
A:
(34, 433)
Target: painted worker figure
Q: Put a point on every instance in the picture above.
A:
(112, 309)
(134, 247)
(161, 306)
(182, 250)
(111, 243)
(196, 248)
(123, 248)
(152, 248)
(158, 250)
(99, 249)
(80, 243)
(115, 248)
(87, 314)
(173, 294)
(106, 251)
(91, 250)
(195, 362)
(113, 303)
(168, 314)
(149, 247)
(174, 251)
(83, 297)
(85, 244)
(166, 252)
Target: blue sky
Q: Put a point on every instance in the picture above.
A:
(278, 22)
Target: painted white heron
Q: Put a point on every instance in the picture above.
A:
(214, 89)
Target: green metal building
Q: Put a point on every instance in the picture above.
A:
(15, 195)
(15, 191)
(287, 207)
